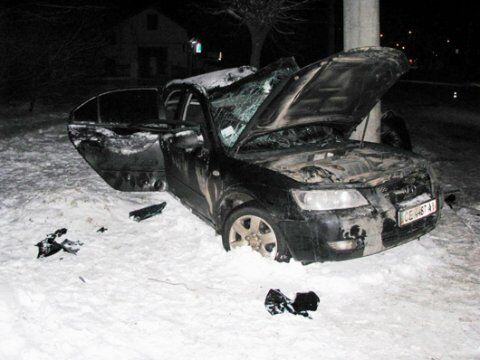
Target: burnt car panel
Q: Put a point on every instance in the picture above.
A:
(346, 163)
(118, 135)
(245, 143)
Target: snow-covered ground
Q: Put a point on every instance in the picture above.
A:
(165, 289)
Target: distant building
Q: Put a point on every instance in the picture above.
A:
(147, 45)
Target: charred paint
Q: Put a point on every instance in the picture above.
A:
(214, 178)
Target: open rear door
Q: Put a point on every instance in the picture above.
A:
(118, 134)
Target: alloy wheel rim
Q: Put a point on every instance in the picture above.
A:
(253, 231)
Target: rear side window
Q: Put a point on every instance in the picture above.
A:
(172, 105)
(86, 112)
(138, 107)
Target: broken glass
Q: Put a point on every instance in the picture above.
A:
(234, 107)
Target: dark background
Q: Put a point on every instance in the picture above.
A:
(432, 23)
(441, 39)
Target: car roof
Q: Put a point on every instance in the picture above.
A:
(216, 79)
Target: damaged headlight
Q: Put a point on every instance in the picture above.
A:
(329, 199)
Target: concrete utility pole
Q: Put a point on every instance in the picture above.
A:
(361, 27)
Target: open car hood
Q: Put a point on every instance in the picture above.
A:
(338, 92)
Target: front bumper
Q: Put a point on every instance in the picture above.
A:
(308, 237)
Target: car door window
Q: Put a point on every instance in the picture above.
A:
(172, 105)
(87, 112)
(193, 111)
(133, 107)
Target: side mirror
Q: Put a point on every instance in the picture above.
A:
(188, 140)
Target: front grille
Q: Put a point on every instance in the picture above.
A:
(393, 234)
(406, 188)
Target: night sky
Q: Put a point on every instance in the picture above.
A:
(429, 30)
(440, 35)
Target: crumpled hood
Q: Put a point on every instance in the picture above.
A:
(370, 165)
(337, 92)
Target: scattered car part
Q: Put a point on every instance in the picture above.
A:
(306, 302)
(147, 212)
(49, 246)
(277, 303)
(71, 247)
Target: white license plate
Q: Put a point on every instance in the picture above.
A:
(410, 215)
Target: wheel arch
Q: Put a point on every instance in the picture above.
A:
(229, 202)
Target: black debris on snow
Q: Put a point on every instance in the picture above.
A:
(49, 246)
(147, 212)
(102, 230)
(277, 303)
(306, 302)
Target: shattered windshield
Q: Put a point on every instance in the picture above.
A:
(293, 137)
(232, 110)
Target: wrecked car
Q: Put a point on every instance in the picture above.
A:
(265, 157)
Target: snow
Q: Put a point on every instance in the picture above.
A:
(164, 288)
(124, 145)
(216, 79)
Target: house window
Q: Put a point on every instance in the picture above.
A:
(152, 21)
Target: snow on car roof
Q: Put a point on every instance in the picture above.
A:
(216, 79)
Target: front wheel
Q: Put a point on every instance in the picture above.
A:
(252, 226)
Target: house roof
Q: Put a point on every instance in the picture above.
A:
(123, 14)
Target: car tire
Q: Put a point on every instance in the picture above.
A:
(259, 239)
(395, 131)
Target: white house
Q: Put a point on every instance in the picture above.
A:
(147, 45)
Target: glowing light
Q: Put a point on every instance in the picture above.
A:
(381, 35)
(410, 32)
(403, 47)
(196, 46)
(448, 41)
(397, 44)
(455, 95)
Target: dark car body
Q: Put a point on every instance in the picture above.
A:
(244, 137)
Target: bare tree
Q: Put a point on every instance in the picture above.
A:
(261, 17)
(48, 46)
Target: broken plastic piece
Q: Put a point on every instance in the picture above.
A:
(147, 212)
(48, 246)
(60, 232)
(102, 230)
(276, 303)
(71, 247)
(306, 302)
